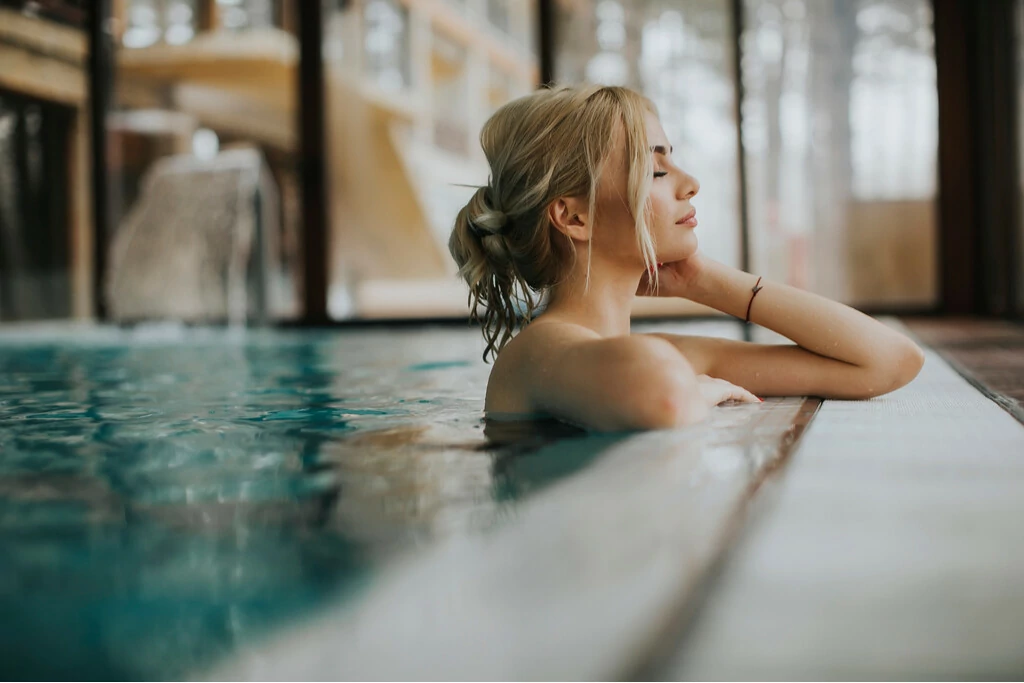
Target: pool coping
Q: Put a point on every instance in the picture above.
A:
(501, 605)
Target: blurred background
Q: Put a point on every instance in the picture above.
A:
(254, 161)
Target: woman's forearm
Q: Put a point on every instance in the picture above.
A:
(816, 323)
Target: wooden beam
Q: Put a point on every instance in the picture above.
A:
(43, 37)
(42, 77)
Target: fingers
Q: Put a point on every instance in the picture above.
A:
(750, 398)
(720, 391)
(736, 393)
(742, 395)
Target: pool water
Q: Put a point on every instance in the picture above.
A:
(168, 495)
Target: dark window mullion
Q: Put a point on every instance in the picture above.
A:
(312, 164)
(100, 82)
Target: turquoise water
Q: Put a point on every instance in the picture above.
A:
(166, 497)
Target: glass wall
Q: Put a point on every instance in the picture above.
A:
(409, 85)
(840, 130)
(202, 151)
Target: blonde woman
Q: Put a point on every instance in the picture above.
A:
(585, 204)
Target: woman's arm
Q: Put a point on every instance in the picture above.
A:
(814, 322)
(842, 352)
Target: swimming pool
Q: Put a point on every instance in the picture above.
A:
(169, 494)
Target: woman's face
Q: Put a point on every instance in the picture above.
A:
(673, 219)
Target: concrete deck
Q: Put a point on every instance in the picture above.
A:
(893, 548)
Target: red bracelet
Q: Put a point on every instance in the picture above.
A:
(757, 288)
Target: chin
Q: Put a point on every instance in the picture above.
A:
(678, 249)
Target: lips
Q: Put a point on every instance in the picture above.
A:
(689, 219)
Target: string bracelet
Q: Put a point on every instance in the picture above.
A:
(757, 288)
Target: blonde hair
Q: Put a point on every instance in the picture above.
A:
(549, 144)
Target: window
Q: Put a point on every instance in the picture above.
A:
(407, 96)
(840, 133)
(204, 208)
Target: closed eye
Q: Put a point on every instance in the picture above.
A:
(659, 174)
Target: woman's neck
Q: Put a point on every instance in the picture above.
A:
(604, 308)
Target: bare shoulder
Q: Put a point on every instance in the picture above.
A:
(571, 373)
(529, 352)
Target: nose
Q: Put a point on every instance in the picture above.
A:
(689, 186)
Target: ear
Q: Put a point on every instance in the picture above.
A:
(569, 216)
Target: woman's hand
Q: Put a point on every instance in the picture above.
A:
(717, 391)
(675, 278)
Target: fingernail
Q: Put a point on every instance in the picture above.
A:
(760, 399)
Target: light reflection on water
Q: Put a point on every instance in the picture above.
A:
(165, 500)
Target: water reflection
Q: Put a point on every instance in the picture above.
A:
(163, 500)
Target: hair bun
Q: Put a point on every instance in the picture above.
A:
(488, 223)
(486, 220)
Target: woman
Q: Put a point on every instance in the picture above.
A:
(584, 204)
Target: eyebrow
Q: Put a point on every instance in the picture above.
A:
(660, 149)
